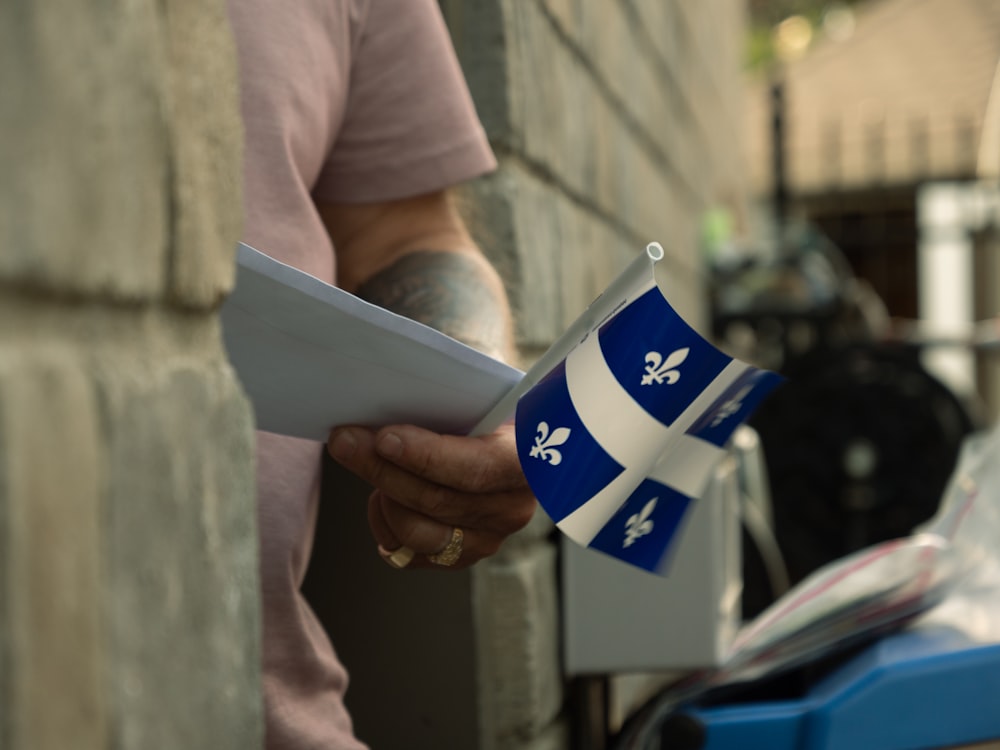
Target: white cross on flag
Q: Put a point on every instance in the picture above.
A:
(619, 435)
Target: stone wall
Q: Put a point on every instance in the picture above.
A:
(616, 123)
(128, 575)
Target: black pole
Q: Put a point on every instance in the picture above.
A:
(778, 135)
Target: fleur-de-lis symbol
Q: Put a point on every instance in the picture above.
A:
(659, 370)
(639, 524)
(732, 406)
(544, 447)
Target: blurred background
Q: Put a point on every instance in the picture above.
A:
(824, 179)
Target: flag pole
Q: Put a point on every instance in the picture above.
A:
(638, 271)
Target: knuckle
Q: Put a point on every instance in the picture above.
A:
(490, 546)
(407, 533)
(517, 514)
(483, 476)
(419, 454)
(435, 500)
(376, 473)
(523, 513)
(422, 462)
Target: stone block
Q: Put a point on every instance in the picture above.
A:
(635, 83)
(628, 143)
(556, 736)
(551, 92)
(84, 199)
(566, 14)
(487, 206)
(181, 603)
(103, 166)
(52, 674)
(206, 139)
(557, 255)
(609, 42)
(536, 244)
(659, 19)
(481, 39)
(128, 570)
(519, 627)
(563, 256)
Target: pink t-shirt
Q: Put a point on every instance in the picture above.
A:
(343, 101)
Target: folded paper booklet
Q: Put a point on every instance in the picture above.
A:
(618, 424)
(311, 356)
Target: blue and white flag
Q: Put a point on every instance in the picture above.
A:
(621, 435)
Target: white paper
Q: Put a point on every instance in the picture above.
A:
(312, 356)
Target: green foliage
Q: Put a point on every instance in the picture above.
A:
(759, 47)
(766, 15)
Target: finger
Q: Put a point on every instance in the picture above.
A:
(389, 549)
(354, 448)
(423, 535)
(497, 512)
(417, 533)
(479, 464)
(376, 522)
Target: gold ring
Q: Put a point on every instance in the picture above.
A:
(398, 558)
(451, 552)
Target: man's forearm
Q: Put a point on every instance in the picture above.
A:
(453, 292)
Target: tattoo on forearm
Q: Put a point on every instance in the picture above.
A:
(447, 291)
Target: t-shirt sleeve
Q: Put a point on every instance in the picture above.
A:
(410, 126)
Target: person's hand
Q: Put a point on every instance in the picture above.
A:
(427, 486)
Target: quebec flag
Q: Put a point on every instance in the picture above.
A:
(618, 437)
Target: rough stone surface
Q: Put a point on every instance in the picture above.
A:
(520, 626)
(51, 482)
(127, 516)
(128, 548)
(129, 586)
(181, 602)
(627, 141)
(481, 40)
(562, 254)
(150, 125)
(556, 736)
(83, 202)
(206, 137)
